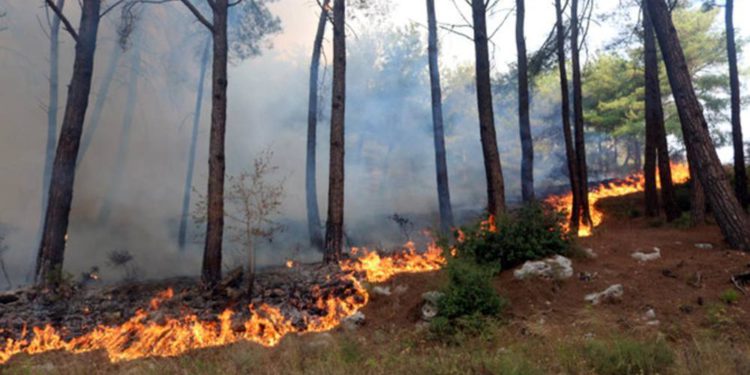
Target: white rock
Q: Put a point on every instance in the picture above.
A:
(354, 321)
(645, 257)
(650, 314)
(429, 311)
(704, 246)
(557, 268)
(382, 290)
(400, 289)
(589, 253)
(612, 294)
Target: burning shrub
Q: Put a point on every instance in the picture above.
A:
(468, 299)
(530, 233)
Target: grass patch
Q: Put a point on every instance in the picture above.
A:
(627, 356)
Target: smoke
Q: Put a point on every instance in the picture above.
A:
(389, 146)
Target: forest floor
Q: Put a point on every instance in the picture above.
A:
(697, 327)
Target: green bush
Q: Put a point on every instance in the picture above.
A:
(627, 356)
(530, 233)
(468, 299)
(729, 296)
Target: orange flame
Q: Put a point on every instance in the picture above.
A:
(289, 263)
(631, 184)
(141, 337)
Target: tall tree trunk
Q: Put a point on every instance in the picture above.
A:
(580, 141)
(492, 167)
(63, 170)
(54, 84)
(101, 99)
(527, 144)
(441, 165)
(311, 189)
(124, 140)
(697, 196)
(182, 235)
(211, 273)
(570, 152)
(740, 173)
(335, 221)
(656, 134)
(730, 216)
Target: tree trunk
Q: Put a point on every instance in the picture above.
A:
(740, 173)
(441, 165)
(570, 152)
(697, 197)
(580, 141)
(54, 83)
(182, 235)
(311, 189)
(527, 144)
(124, 140)
(492, 167)
(52, 247)
(728, 212)
(211, 273)
(656, 133)
(101, 98)
(335, 222)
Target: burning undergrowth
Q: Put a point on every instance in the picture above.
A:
(171, 317)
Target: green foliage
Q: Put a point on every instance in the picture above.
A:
(628, 356)
(729, 296)
(532, 232)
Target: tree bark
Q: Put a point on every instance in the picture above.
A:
(730, 216)
(54, 88)
(211, 270)
(101, 98)
(740, 173)
(311, 189)
(492, 167)
(570, 152)
(335, 221)
(124, 140)
(182, 235)
(527, 144)
(441, 165)
(697, 197)
(656, 134)
(580, 141)
(52, 247)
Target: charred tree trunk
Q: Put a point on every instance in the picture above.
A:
(492, 167)
(52, 247)
(570, 152)
(335, 221)
(124, 140)
(182, 235)
(580, 141)
(101, 98)
(211, 273)
(311, 189)
(54, 88)
(527, 144)
(728, 212)
(441, 165)
(657, 148)
(740, 173)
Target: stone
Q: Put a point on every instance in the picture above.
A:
(589, 252)
(650, 314)
(401, 289)
(646, 257)
(354, 321)
(382, 290)
(556, 268)
(612, 294)
(704, 246)
(432, 296)
(429, 311)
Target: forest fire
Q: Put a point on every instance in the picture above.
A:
(144, 336)
(628, 185)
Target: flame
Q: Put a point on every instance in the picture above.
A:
(145, 336)
(631, 184)
(289, 263)
(378, 269)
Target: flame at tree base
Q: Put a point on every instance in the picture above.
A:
(139, 338)
(634, 183)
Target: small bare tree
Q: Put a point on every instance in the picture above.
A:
(3, 250)
(253, 202)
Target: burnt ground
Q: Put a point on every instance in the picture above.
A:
(683, 288)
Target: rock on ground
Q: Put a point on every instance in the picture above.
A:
(556, 268)
(612, 294)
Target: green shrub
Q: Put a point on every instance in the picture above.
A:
(729, 296)
(530, 233)
(627, 356)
